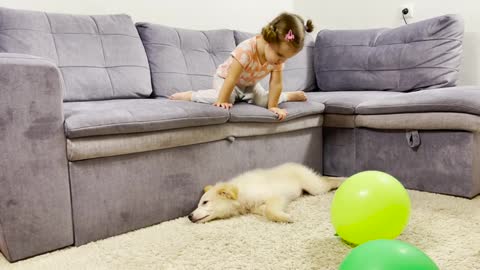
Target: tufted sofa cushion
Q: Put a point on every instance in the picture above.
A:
(420, 55)
(100, 57)
(182, 60)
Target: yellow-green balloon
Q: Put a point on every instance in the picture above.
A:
(370, 205)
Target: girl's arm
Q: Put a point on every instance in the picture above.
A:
(234, 72)
(275, 89)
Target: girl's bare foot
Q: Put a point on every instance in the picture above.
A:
(296, 96)
(182, 96)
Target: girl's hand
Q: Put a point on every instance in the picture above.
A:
(281, 113)
(224, 105)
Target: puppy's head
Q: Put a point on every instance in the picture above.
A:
(219, 201)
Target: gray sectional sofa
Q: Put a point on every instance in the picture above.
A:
(91, 146)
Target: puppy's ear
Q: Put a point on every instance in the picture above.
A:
(207, 188)
(228, 191)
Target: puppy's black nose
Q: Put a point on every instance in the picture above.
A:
(190, 217)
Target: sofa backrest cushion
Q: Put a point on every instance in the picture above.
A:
(298, 73)
(100, 57)
(181, 59)
(420, 55)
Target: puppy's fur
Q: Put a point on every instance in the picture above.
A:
(263, 191)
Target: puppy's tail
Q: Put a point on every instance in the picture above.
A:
(334, 182)
(310, 181)
(321, 184)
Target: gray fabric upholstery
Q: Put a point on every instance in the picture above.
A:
(244, 112)
(181, 59)
(241, 36)
(115, 145)
(298, 73)
(35, 209)
(444, 162)
(161, 185)
(100, 57)
(94, 118)
(420, 55)
(345, 102)
(338, 151)
(339, 120)
(463, 99)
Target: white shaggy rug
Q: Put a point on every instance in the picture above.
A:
(444, 227)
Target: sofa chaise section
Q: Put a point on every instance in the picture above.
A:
(428, 138)
(419, 131)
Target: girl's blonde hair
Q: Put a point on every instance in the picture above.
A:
(278, 30)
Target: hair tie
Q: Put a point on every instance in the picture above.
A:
(289, 36)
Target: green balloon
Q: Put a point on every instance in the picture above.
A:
(370, 205)
(387, 255)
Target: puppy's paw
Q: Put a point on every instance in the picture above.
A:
(279, 217)
(287, 219)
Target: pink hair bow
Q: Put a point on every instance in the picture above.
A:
(289, 36)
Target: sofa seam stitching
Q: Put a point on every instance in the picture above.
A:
(397, 69)
(144, 67)
(380, 45)
(139, 122)
(40, 31)
(103, 53)
(210, 51)
(184, 58)
(53, 38)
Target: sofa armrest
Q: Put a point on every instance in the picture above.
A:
(35, 208)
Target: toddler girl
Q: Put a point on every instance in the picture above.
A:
(237, 79)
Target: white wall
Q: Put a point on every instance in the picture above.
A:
(352, 14)
(193, 14)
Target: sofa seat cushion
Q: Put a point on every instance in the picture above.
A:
(420, 121)
(462, 99)
(93, 118)
(345, 102)
(244, 112)
(100, 57)
(122, 144)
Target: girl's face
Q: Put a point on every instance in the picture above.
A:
(279, 53)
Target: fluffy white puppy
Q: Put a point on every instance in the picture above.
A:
(262, 191)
